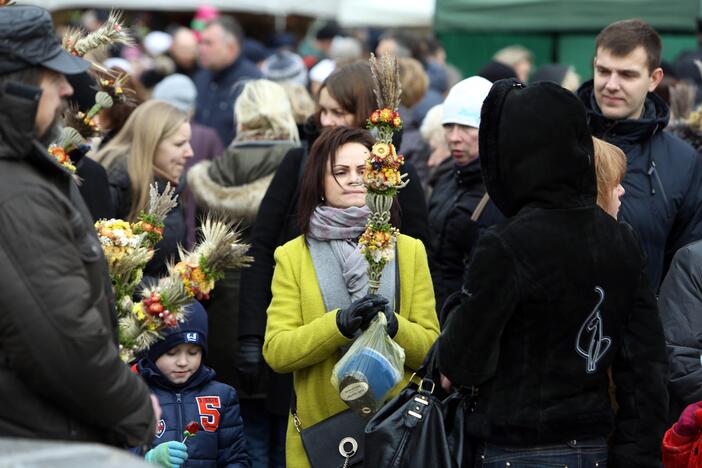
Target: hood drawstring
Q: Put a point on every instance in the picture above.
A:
(653, 173)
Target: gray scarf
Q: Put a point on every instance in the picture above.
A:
(341, 227)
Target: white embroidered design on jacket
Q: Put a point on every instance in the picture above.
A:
(590, 342)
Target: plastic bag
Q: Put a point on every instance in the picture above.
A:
(371, 367)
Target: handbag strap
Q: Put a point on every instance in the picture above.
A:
(480, 207)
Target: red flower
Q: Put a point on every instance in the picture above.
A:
(192, 427)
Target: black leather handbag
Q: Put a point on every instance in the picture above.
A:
(419, 428)
(335, 442)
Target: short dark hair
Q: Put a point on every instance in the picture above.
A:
(352, 87)
(622, 37)
(322, 154)
(230, 26)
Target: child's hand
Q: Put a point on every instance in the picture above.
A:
(169, 454)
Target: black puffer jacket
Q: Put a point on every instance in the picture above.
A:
(663, 181)
(680, 303)
(453, 233)
(60, 372)
(555, 296)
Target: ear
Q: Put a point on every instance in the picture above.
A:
(655, 80)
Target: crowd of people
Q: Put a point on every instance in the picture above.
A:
(550, 247)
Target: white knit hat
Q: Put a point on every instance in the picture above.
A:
(464, 101)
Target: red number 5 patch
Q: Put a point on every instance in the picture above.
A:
(208, 407)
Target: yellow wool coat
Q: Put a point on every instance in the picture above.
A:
(302, 337)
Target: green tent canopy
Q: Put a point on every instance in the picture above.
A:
(554, 30)
(561, 15)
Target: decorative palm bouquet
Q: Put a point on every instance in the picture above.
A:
(382, 175)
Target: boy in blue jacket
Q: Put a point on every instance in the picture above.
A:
(174, 370)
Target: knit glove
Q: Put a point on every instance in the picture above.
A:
(688, 423)
(350, 319)
(170, 454)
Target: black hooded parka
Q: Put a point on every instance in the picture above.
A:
(557, 295)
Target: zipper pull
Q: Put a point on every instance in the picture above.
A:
(651, 170)
(178, 400)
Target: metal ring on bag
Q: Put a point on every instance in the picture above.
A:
(348, 453)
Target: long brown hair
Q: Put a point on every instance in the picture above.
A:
(322, 156)
(352, 87)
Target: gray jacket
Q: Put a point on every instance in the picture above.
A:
(680, 305)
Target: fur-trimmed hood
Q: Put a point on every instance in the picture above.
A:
(236, 182)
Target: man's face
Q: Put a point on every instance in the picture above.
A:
(55, 89)
(462, 141)
(621, 83)
(217, 50)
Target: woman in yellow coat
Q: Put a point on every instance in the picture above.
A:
(320, 282)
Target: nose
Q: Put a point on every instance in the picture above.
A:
(66, 88)
(188, 151)
(612, 82)
(326, 121)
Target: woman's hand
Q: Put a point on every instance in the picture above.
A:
(350, 319)
(446, 383)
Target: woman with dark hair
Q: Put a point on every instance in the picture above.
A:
(320, 284)
(346, 99)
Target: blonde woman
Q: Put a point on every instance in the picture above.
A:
(610, 168)
(235, 184)
(153, 146)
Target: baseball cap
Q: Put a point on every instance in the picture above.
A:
(27, 38)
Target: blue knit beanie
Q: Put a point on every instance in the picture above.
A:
(193, 331)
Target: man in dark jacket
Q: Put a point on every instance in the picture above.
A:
(459, 208)
(554, 298)
(223, 67)
(663, 182)
(60, 372)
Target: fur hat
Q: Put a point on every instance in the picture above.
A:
(192, 331)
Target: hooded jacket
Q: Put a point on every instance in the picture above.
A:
(60, 372)
(220, 441)
(556, 295)
(663, 181)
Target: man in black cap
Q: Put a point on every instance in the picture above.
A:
(60, 372)
(554, 299)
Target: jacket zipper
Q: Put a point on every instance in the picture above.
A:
(653, 171)
(179, 401)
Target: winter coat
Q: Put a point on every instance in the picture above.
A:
(556, 295)
(216, 94)
(60, 372)
(220, 441)
(174, 224)
(680, 304)
(453, 233)
(233, 184)
(663, 181)
(277, 223)
(682, 451)
(302, 336)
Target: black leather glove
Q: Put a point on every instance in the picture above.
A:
(393, 324)
(350, 319)
(249, 362)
